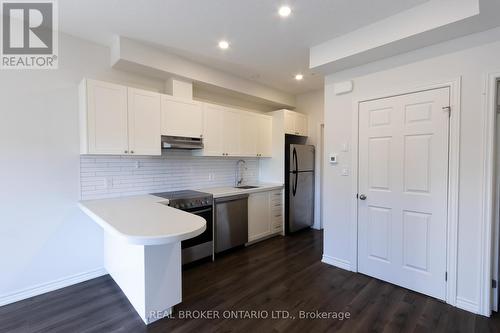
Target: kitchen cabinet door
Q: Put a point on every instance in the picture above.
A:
(259, 219)
(103, 118)
(144, 116)
(265, 136)
(213, 130)
(249, 133)
(289, 122)
(181, 117)
(301, 126)
(231, 132)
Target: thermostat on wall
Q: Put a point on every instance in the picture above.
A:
(333, 159)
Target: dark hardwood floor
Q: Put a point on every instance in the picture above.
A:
(278, 274)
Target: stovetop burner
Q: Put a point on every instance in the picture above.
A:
(186, 199)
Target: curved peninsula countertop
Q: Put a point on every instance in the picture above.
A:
(143, 220)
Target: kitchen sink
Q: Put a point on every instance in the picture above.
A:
(246, 187)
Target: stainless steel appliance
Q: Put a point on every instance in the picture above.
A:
(198, 203)
(180, 142)
(231, 222)
(299, 186)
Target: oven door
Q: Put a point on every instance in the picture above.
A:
(207, 235)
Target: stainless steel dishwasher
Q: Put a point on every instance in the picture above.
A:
(231, 222)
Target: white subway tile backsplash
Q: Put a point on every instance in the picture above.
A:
(114, 176)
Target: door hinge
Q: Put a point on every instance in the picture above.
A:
(494, 284)
(446, 276)
(447, 108)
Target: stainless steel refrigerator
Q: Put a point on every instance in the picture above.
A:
(299, 185)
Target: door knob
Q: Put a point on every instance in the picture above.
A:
(362, 197)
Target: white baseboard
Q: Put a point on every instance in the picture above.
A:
(467, 305)
(50, 286)
(340, 263)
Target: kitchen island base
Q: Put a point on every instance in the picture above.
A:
(149, 275)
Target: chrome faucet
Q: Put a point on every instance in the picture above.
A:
(238, 173)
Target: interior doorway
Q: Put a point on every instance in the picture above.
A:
(402, 189)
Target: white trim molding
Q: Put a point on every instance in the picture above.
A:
(467, 305)
(50, 286)
(453, 179)
(487, 216)
(340, 263)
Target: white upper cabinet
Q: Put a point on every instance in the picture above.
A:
(301, 125)
(119, 120)
(144, 122)
(289, 122)
(264, 136)
(295, 123)
(213, 130)
(103, 118)
(116, 120)
(231, 132)
(249, 131)
(181, 117)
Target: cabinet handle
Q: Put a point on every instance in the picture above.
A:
(297, 133)
(201, 135)
(126, 151)
(131, 151)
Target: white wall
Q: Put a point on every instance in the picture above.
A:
(313, 104)
(471, 58)
(44, 238)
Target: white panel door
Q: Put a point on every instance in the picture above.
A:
(213, 144)
(181, 117)
(107, 118)
(144, 116)
(403, 172)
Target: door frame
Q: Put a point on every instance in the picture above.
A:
(453, 180)
(488, 218)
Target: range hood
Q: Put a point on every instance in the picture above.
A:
(180, 142)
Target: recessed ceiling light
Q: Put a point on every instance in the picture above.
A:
(284, 11)
(299, 77)
(223, 44)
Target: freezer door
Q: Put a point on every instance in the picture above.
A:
(301, 201)
(301, 158)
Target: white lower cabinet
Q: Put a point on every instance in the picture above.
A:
(265, 214)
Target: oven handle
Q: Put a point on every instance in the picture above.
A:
(199, 211)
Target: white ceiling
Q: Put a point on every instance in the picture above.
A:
(264, 47)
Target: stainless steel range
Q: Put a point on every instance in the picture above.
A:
(201, 204)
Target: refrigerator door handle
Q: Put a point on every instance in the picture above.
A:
(295, 172)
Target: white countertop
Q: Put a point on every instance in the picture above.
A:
(143, 220)
(219, 192)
